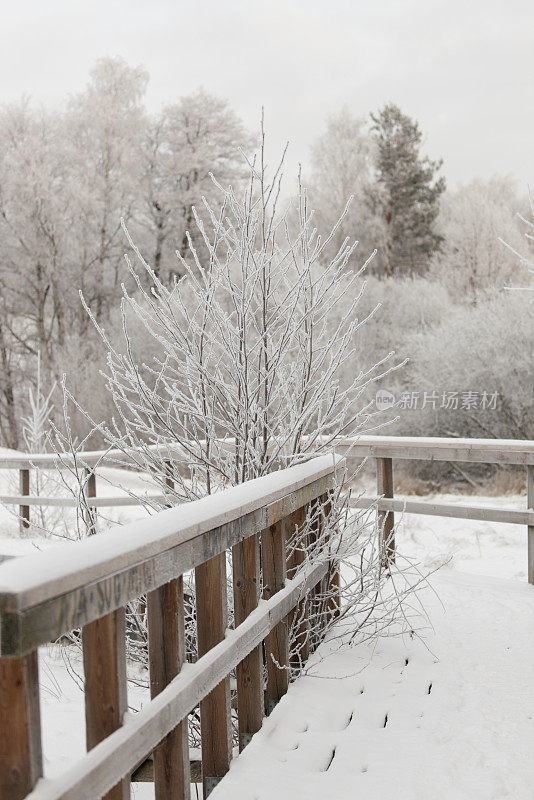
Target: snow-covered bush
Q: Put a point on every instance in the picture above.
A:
(525, 254)
(485, 349)
(244, 371)
(406, 306)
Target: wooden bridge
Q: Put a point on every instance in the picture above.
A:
(88, 586)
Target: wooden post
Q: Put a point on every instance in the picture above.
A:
(106, 702)
(294, 525)
(246, 579)
(24, 511)
(530, 529)
(21, 763)
(166, 646)
(273, 558)
(384, 480)
(90, 491)
(212, 619)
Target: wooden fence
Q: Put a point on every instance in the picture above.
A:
(382, 448)
(87, 585)
(43, 596)
(472, 451)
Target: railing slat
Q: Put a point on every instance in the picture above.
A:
(90, 493)
(106, 702)
(273, 554)
(24, 510)
(21, 763)
(386, 522)
(215, 711)
(246, 580)
(166, 642)
(317, 594)
(333, 579)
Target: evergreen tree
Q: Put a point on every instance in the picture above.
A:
(407, 192)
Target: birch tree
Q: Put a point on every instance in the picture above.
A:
(34, 220)
(103, 129)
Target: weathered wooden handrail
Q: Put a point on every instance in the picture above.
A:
(72, 502)
(87, 584)
(499, 451)
(452, 510)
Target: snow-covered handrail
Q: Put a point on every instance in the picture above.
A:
(182, 537)
(485, 451)
(501, 451)
(88, 584)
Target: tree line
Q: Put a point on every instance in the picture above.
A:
(68, 177)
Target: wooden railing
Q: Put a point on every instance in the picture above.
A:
(88, 461)
(474, 451)
(383, 448)
(86, 585)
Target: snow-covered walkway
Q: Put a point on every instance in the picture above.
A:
(405, 723)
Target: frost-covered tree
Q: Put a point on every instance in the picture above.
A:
(190, 139)
(34, 225)
(473, 263)
(342, 166)
(103, 129)
(407, 192)
(66, 179)
(10, 379)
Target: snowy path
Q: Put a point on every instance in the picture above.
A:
(410, 725)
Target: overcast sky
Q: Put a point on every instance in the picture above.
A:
(465, 69)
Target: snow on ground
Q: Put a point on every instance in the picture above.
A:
(63, 714)
(400, 721)
(497, 549)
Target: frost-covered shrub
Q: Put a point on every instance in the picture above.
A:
(486, 349)
(402, 306)
(407, 305)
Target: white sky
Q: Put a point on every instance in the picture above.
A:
(463, 69)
